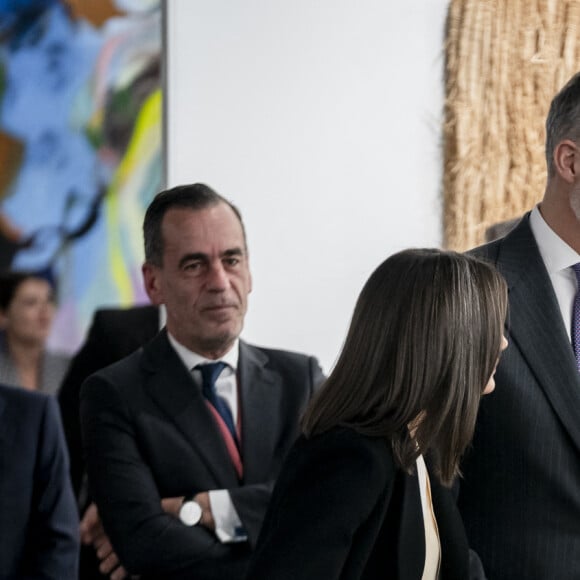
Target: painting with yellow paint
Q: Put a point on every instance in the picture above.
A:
(81, 148)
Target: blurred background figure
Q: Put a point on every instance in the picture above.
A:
(27, 310)
(114, 334)
(38, 516)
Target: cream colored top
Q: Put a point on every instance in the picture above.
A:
(432, 544)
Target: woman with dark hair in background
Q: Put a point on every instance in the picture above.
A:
(26, 313)
(355, 499)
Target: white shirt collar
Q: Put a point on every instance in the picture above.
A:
(191, 359)
(555, 252)
(162, 316)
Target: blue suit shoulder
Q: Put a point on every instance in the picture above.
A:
(24, 406)
(22, 396)
(38, 519)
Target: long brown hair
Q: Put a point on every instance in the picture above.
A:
(423, 342)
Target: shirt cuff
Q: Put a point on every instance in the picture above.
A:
(228, 526)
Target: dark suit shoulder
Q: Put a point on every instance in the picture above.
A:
(23, 398)
(488, 252)
(138, 320)
(491, 250)
(122, 371)
(282, 355)
(288, 363)
(293, 368)
(512, 252)
(112, 315)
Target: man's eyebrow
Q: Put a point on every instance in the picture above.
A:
(234, 252)
(201, 257)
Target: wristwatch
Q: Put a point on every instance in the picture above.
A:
(190, 511)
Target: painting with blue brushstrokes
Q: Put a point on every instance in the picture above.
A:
(80, 148)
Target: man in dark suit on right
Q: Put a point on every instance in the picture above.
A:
(520, 496)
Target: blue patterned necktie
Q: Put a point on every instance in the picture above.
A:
(576, 318)
(209, 374)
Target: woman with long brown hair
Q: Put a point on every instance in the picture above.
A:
(356, 498)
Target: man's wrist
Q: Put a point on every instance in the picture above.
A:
(203, 499)
(191, 512)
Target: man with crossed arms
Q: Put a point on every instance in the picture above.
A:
(182, 479)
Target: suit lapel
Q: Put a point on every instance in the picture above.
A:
(172, 388)
(537, 328)
(260, 396)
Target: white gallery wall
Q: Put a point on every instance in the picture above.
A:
(321, 120)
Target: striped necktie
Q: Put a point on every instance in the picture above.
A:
(209, 374)
(576, 317)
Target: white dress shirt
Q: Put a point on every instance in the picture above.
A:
(558, 258)
(228, 526)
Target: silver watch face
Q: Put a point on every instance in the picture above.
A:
(190, 513)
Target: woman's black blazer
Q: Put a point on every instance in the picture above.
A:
(341, 509)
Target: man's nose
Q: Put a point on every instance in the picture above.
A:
(218, 277)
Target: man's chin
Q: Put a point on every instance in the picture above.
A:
(221, 333)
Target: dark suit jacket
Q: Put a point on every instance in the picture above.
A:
(149, 434)
(38, 515)
(114, 334)
(520, 497)
(341, 509)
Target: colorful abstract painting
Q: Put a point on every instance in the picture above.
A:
(80, 148)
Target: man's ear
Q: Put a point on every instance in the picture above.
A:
(567, 160)
(151, 283)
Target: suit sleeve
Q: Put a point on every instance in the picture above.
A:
(146, 539)
(54, 533)
(251, 501)
(329, 487)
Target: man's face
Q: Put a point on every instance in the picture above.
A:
(205, 279)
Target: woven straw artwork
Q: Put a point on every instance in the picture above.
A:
(505, 60)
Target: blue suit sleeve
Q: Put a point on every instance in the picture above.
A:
(53, 545)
